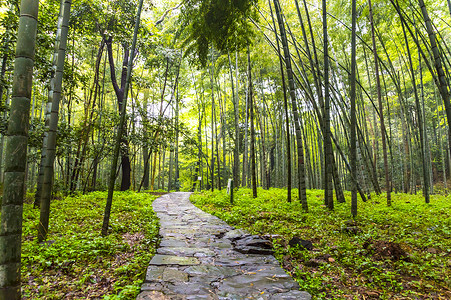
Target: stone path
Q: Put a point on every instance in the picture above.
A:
(201, 257)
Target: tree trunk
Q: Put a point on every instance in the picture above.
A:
(285, 106)
(251, 104)
(212, 181)
(171, 160)
(264, 165)
(420, 122)
(154, 171)
(353, 113)
(37, 195)
(145, 180)
(47, 183)
(381, 109)
(120, 94)
(222, 108)
(328, 151)
(199, 153)
(246, 143)
(109, 202)
(2, 142)
(16, 151)
(217, 138)
(161, 163)
(176, 179)
(236, 149)
(99, 138)
(300, 151)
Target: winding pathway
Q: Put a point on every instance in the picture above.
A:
(201, 257)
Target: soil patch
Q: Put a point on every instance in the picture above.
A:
(383, 249)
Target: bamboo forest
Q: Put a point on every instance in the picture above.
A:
(225, 149)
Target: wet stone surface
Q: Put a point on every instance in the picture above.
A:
(201, 257)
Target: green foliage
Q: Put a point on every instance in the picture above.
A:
(36, 133)
(77, 261)
(223, 24)
(45, 40)
(9, 21)
(349, 264)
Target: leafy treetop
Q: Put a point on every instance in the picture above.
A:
(223, 24)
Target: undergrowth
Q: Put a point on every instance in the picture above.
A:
(351, 259)
(76, 262)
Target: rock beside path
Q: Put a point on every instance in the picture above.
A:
(201, 257)
(253, 245)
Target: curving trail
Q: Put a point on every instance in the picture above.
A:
(201, 257)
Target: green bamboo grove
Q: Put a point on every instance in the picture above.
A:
(130, 95)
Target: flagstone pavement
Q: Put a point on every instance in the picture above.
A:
(201, 257)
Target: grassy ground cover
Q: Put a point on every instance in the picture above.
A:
(77, 262)
(398, 252)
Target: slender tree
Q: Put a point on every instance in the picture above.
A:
(381, 108)
(251, 104)
(353, 113)
(109, 201)
(146, 154)
(285, 106)
(236, 115)
(47, 183)
(37, 195)
(420, 121)
(328, 153)
(16, 151)
(291, 86)
(246, 143)
(213, 123)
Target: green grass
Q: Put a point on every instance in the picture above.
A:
(77, 262)
(340, 266)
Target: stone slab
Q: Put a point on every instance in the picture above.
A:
(212, 270)
(185, 251)
(161, 260)
(174, 275)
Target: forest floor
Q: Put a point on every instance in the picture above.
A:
(397, 252)
(76, 262)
